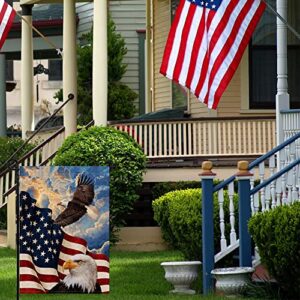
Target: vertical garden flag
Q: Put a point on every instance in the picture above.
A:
(206, 43)
(64, 230)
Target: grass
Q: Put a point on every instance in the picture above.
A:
(133, 276)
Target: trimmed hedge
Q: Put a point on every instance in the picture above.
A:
(180, 217)
(106, 146)
(277, 236)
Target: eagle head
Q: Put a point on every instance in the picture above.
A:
(82, 273)
(85, 190)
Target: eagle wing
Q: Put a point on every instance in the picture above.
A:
(71, 214)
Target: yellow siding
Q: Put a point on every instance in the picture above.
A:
(162, 86)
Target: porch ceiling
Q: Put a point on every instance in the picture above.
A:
(47, 1)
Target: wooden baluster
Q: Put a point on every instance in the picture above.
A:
(7, 182)
(223, 241)
(231, 214)
(170, 147)
(184, 127)
(175, 139)
(289, 184)
(251, 196)
(278, 192)
(215, 139)
(189, 137)
(267, 197)
(153, 140)
(256, 202)
(165, 139)
(272, 187)
(146, 140)
(262, 191)
(195, 142)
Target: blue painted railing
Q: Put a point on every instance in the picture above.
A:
(246, 194)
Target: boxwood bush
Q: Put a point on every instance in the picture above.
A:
(277, 236)
(179, 215)
(105, 146)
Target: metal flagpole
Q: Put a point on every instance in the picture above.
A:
(273, 10)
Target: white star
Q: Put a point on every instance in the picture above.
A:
(49, 249)
(46, 224)
(54, 232)
(35, 258)
(39, 247)
(22, 219)
(47, 260)
(28, 216)
(28, 233)
(24, 197)
(26, 207)
(42, 235)
(46, 242)
(21, 237)
(34, 223)
(57, 241)
(38, 230)
(43, 253)
(49, 214)
(49, 231)
(213, 6)
(38, 213)
(34, 241)
(24, 243)
(54, 251)
(25, 227)
(42, 219)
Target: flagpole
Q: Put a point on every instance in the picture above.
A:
(282, 20)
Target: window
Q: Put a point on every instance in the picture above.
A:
(55, 69)
(179, 93)
(263, 60)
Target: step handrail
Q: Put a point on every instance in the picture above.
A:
(257, 161)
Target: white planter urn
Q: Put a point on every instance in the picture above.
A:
(181, 274)
(232, 281)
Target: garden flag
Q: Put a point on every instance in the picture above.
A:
(7, 15)
(206, 43)
(64, 230)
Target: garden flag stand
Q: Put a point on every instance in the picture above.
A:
(12, 164)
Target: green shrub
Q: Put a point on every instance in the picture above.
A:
(3, 217)
(276, 234)
(180, 217)
(105, 146)
(9, 145)
(162, 188)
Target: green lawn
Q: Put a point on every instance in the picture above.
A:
(133, 276)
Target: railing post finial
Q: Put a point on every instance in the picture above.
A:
(243, 168)
(207, 166)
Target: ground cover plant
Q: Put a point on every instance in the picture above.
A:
(133, 276)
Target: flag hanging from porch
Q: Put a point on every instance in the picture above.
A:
(7, 15)
(64, 230)
(206, 43)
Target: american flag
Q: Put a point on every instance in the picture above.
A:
(44, 248)
(7, 15)
(206, 42)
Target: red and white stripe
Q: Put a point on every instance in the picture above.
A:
(204, 46)
(7, 15)
(35, 280)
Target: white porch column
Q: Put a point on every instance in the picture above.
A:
(27, 121)
(100, 81)
(282, 97)
(69, 66)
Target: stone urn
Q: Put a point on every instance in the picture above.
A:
(181, 274)
(232, 281)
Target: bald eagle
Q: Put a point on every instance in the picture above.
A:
(78, 206)
(82, 277)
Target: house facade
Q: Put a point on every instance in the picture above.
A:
(46, 85)
(252, 91)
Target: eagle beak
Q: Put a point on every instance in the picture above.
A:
(69, 265)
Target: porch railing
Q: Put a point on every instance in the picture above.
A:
(202, 137)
